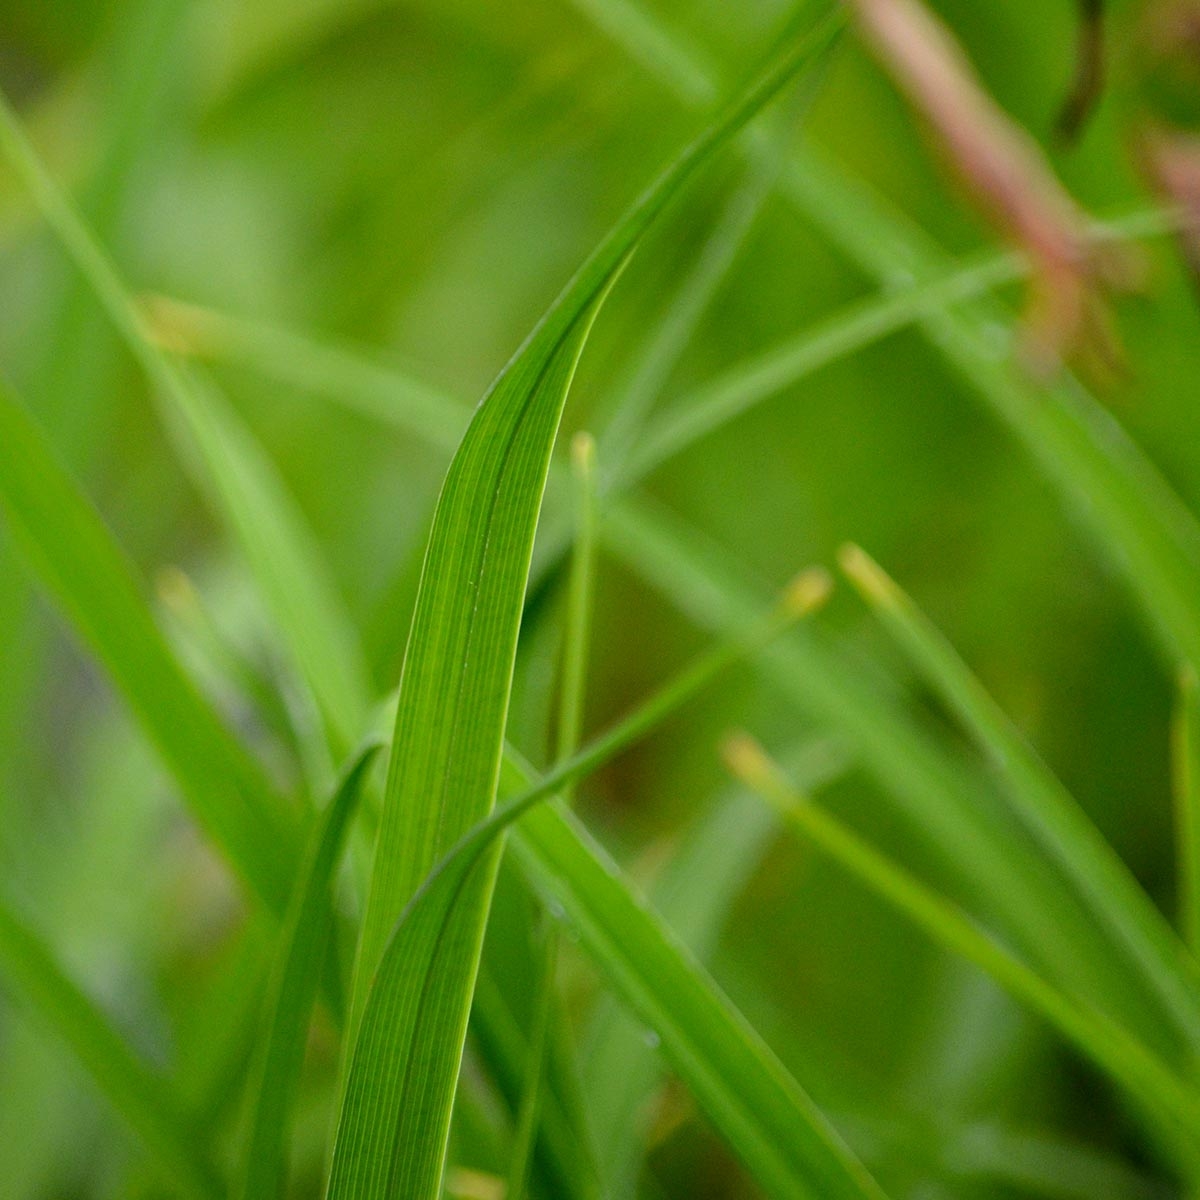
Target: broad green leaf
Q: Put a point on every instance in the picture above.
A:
(1172, 1100)
(1046, 809)
(79, 561)
(1185, 763)
(141, 1099)
(303, 941)
(457, 678)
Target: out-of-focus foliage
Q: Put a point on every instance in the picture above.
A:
(345, 216)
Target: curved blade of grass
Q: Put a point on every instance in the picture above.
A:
(760, 1110)
(1174, 1103)
(457, 679)
(303, 942)
(693, 896)
(79, 561)
(1044, 806)
(755, 1104)
(138, 1096)
(1185, 764)
(242, 482)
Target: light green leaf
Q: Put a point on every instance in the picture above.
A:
(142, 1100)
(80, 562)
(1045, 808)
(302, 944)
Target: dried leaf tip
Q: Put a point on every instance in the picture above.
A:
(807, 592)
(869, 578)
(1006, 173)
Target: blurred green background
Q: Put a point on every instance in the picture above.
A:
(417, 179)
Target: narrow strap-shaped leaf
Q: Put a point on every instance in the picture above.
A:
(138, 1096)
(242, 482)
(457, 679)
(80, 562)
(1185, 764)
(442, 777)
(382, 1145)
(760, 1110)
(1045, 807)
(1173, 1101)
(302, 941)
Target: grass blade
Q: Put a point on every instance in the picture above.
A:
(1043, 805)
(80, 562)
(455, 688)
(1174, 1103)
(693, 896)
(138, 1096)
(955, 808)
(1185, 737)
(247, 490)
(757, 1106)
(303, 942)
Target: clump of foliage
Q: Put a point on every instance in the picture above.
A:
(378, 815)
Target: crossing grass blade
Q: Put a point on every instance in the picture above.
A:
(754, 1103)
(140, 1097)
(303, 942)
(1172, 1101)
(1045, 807)
(693, 896)
(454, 694)
(951, 804)
(80, 563)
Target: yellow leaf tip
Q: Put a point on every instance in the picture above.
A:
(583, 452)
(871, 580)
(807, 592)
(746, 760)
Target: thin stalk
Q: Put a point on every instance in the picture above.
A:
(576, 640)
(1174, 1103)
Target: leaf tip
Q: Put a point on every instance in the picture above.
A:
(807, 592)
(868, 577)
